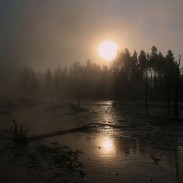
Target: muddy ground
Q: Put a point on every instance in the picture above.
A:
(102, 141)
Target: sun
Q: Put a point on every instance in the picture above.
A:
(108, 50)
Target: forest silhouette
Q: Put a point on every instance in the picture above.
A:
(144, 76)
(54, 103)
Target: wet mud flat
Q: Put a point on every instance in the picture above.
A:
(104, 141)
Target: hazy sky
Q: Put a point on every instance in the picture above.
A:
(47, 33)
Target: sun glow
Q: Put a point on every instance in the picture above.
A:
(108, 50)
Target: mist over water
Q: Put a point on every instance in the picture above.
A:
(76, 108)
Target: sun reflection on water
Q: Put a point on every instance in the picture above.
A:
(107, 145)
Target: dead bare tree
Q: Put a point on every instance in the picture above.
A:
(169, 86)
(146, 107)
(178, 70)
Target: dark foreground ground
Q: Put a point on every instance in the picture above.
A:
(101, 142)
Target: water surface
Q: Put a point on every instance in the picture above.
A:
(121, 146)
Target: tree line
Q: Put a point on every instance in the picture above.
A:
(128, 77)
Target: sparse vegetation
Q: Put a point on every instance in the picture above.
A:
(18, 134)
(60, 161)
